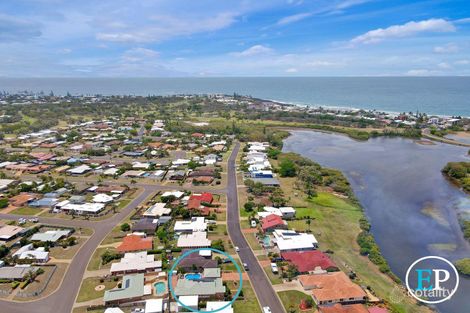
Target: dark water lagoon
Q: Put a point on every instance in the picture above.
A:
(412, 208)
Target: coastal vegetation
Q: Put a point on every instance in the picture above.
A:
(463, 266)
(458, 173)
(327, 207)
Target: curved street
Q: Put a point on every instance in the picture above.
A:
(63, 298)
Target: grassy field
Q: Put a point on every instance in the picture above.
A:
(275, 279)
(26, 211)
(252, 241)
(336, 228)
(249, 303)
(95, 261)
(67, 253)
(87, 289)
(291, 300)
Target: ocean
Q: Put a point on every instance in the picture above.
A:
(432, 95)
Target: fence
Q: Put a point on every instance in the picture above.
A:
(24, 294)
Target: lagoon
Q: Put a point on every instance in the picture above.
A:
(412, 208)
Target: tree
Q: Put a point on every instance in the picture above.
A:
(308, 222)
(218, 244)
(287, 168)
(3, 203)
(125, 227)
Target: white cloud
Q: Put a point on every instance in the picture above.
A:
(444, 66)
(420, 72)
(349, 3)
(320, 63)
(462, 62)
(293, 18)
(292, 70)
(252, 51)
(13, 28)
(462, 20)
(406, 30)
(448, 48)
(166, 27)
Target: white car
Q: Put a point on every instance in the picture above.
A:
(266, 309)
(253, 224)
(274, 268)
(237, 249)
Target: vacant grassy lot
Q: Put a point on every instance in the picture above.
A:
(87, 289)
(67, 253)
(26, 211)
(274, 278)
(95, 262)
(291, 300)
(336, 226)
(249, 303)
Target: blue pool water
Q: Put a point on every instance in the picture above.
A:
(267, 241)
(193, 276)
(160, 288)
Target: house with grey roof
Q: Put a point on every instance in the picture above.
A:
(132, 289)
(202, 288)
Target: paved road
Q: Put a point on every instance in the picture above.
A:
(62, 300)
(263, 288)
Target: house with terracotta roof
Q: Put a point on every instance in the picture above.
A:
(332, 288)
(133, 243)
(339, 308)
(376, 309)
(22, 199)
(197, 201)
(313, 261)
(272, 222)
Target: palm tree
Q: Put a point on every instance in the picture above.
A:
(31, 275)
(308, 222)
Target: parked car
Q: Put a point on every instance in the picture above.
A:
(274, 268)
(266, 309)
(34, 220)
(253, 224)
(237, 249)
(245, 266)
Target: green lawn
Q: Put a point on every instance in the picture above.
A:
(252, 241)
(87, 289)
(291, 300)
(249, 303)
(336, 228)
(26, 211)
(95, 261)
(306, 212)
(274, 278)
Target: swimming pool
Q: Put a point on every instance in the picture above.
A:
(193, 276)
(160, 287)
(267, 241)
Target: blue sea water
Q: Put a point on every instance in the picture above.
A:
(432, 95)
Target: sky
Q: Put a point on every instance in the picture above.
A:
(168, 38)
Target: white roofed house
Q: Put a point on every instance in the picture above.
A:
(284, 212)
(197, 239)
(290, 240)
(156, 210)
(175, 193)
(79, 170)
(84, 208)
(138, 262)
(4, 183)
(102, 198)
(29, 254)
(194, 225)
